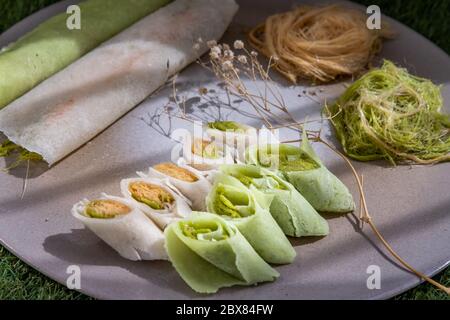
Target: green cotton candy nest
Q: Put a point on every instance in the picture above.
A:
(391, 114)
(11, 150)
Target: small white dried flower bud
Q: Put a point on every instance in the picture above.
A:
(200, 40)
(226, 47)
(228, 54)
(196, 46)
(242, 59)
(216, 50)
(227, 65)
(238, 44)
(275, 58)
(211, 43)
(214, 55)
(254, 53)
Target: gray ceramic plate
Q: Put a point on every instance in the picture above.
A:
(411, 206)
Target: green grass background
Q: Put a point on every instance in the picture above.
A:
(19, 281)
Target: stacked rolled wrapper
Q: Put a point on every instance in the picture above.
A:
(219, 220)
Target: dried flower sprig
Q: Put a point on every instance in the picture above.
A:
(234, 65)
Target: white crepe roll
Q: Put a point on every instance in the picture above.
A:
(208, 174)
(178, 209)
(70, 108)
(239, 141)
(133, 235)
(222, 154)
(193, 185)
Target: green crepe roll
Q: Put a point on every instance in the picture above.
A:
(245, 208)
(292, 212)
(305, 171)
(210, 253)
(52, 46)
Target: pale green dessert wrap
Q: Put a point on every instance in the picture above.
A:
(210, 254)
(245, 208)
(295, 216)
(305, 171)
(52, 45)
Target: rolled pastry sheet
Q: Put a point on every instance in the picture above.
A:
(157, 198)
(204, 154)
(52, 46)
(295, 216)
(190, 182)
(305, 171)
(246, 209)
(73, 106)
(210, 253)
(236, 135)
(122, 226)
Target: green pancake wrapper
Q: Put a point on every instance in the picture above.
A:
(305, 171)
(51, 46)
(289, 208)
(244, 208)
(209, 253)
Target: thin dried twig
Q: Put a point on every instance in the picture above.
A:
(25, 181)
(365, 217)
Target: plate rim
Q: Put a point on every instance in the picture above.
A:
(57, 7)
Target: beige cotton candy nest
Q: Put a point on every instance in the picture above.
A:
(318, 43)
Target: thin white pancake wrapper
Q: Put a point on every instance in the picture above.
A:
(179, 209)
(72, 107)
(201, 163)
(134, 236)
(195, 191)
